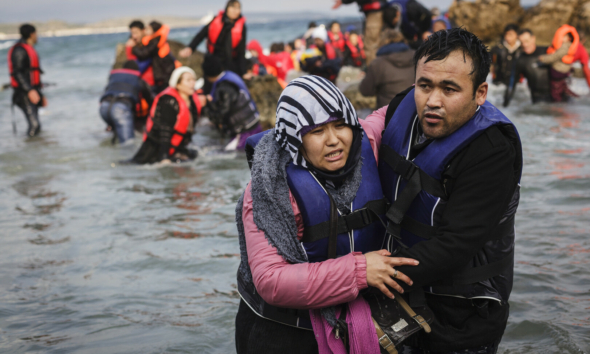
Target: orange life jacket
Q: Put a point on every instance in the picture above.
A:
(215, 28)
(34, 69)
(163, 46)
(558, 41)
(182, 119)
(339, 44)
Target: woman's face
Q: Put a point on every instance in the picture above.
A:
(186, 84)
(233, 11)
(327, 146)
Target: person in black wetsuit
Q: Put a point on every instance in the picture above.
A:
(528, 65)
(25, 74)
(505, 54)
(226, 39)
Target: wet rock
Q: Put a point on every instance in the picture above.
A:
(358, 100)
(194, 61)
(547, 16)
(486, 18)
(265, 91)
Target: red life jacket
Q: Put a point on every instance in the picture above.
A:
(338, 44)
(148, 74)
(215, 28)
(357, 52)
(330, 52)
(283, 63)
(34, 69)
(182, 119)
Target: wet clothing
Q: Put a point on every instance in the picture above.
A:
(232, 109)
(23, 80)
(582, 57)
(559, 73)
(491, 348)
(233, 59)
(163, 64)
(415, 20)
(389, 74)
(489, 168)
(119, 115)
(536, 74)
(555, 59)
(503, 60)
(157, 143)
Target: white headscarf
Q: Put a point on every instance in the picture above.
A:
(307, 101)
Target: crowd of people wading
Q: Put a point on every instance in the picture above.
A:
(147, 95)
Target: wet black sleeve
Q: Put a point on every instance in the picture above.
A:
(218, 111)
(148, 51)
(146, 92)
(241, 53)
(164, 121)
(509, 94)
(199, 37)
(20, 68)
(481, 181)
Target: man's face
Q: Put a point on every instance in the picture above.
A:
(510, 37)
(137, 34)
(529, 43)
(444, 94)
(33, 38)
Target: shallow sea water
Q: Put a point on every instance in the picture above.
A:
(97, 257)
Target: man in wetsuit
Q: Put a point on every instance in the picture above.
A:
(25, 75)
(528, 65)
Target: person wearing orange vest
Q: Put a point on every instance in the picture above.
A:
(226, 38)
(154, 46)
(172, 120)
(137, 32)
(354, 52)
(125, 100)
(560, 55)
(25, 78)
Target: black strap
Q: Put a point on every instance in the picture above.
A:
(406, 169)
(418, 228)
(333, 240)
(485, 272)
(357, 219)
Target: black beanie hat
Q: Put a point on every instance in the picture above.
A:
(211, 66)
(131, 64)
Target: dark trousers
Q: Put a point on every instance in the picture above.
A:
(31, 111)
(256, 335)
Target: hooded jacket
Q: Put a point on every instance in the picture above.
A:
(389, 74)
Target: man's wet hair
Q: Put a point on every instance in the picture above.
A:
(510, 27)
(26, 31)
(442, 43)
(137, 24)
(526, 30)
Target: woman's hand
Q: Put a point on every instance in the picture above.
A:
(380, 271)
(185, 52)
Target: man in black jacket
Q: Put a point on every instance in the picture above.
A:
(25, 73)
(465, 245)
(505, 54)
(529, 66)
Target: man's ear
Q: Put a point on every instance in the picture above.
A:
(481, 94)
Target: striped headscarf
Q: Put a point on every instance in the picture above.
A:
(308, 101)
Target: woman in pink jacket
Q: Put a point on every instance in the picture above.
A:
(310, 235)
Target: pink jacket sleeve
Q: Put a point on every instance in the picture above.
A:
(305, 285)
(373, 126)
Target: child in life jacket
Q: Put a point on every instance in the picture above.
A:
(560, 56)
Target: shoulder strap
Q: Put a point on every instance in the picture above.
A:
(395, 102)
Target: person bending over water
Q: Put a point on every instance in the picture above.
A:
(319, 159)
(230, 107)
(172, 120)
(122, 100)
(25, 78)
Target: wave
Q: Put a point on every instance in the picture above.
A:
(6, 45)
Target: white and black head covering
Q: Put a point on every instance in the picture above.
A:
(309, 101)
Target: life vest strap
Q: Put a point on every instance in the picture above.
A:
(357, 219)
(417, 228)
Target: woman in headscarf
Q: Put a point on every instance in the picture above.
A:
(172, 120)
(309, 228)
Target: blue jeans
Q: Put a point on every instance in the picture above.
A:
(118, 115)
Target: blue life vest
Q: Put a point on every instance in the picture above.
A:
(423, 212)
(244, 114)
(235, 79)
(143, 64)
(123, 83)
(314, 204)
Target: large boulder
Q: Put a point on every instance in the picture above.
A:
(358, 100)
(547, 16)
(485, 18)
(265, 91)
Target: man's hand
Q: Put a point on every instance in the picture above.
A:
(130, 43)
(185, 52)
(209, 98)
(337, 4)
(380, 271)
(34, 96)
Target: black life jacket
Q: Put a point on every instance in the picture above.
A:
(123, 83)
(418, 199)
